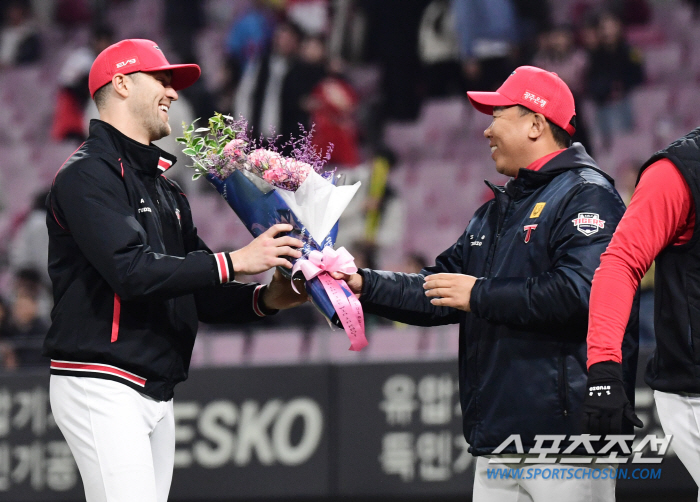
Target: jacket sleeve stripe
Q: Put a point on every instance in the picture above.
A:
(256, 299)
(115, 317)
(98, 368)
(222, 266)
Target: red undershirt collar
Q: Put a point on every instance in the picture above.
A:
(537, 165)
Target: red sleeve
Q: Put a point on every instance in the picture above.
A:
(659, 214)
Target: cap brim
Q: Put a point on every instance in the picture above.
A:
(485, 101)
(184, 75)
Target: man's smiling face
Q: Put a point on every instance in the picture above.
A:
(508, 138)
(151, 101)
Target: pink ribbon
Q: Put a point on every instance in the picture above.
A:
(347, 306)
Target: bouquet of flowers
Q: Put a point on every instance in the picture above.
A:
(264, 188)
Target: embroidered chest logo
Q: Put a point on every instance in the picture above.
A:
(144, 209)
(537, 210)
(179, 220)
(528, 232)
(588, 223)
(476, 242)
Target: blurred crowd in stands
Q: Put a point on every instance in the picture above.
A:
(355, 70)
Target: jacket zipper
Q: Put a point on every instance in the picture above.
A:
(499, 227)
(564, 385)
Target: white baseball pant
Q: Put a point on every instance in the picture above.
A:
(680, 416)
(538, 489)
(122, 440)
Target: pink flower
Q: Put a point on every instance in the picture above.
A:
(234, 146)
(287, 173)
(264, 159)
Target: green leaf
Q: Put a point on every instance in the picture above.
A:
(196, 176)
(198, 147)
(181, 140)
(190, 151)
(202, 129)
(199, 140)
(228, 131)
(212, 143)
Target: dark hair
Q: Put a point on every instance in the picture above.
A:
(561, 137)
(101, 93)
(101, 96)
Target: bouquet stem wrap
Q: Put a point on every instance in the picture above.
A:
(260, 206)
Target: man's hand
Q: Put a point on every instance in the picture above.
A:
(266, 251)
(605, 405)
(354, 281)
(450, 290)
(279, 295)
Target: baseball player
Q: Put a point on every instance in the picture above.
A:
(517, 281)
(131, 280)
(658, 225)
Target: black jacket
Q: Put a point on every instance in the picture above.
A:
(522, 359)
(131, 278)
(675, 364)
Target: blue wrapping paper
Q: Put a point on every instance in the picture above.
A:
(259, 206)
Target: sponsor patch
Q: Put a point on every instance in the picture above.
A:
(537, 210)
(535, 99)
(588, 223)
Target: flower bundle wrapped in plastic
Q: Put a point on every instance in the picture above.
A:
(264, 188)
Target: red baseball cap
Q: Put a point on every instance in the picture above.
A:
(537, 90)
(137, 54)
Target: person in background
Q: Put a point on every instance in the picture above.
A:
(250, 35)
(259, 94)
(20, 43)
(182, 21)
(558, 53)
(487, 34)
(439, 52)
(29, 247)
(27, 330)
(615, 69)
(306, 72)
(73, 95)
(8, 358)
(333, 103)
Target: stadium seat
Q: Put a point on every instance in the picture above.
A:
(225, 349)
(276, 347)
(391, 343)
(662, 63)
(649, 103)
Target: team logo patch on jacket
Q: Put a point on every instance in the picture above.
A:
(528, 232)
(588, 223)
(537, 210)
